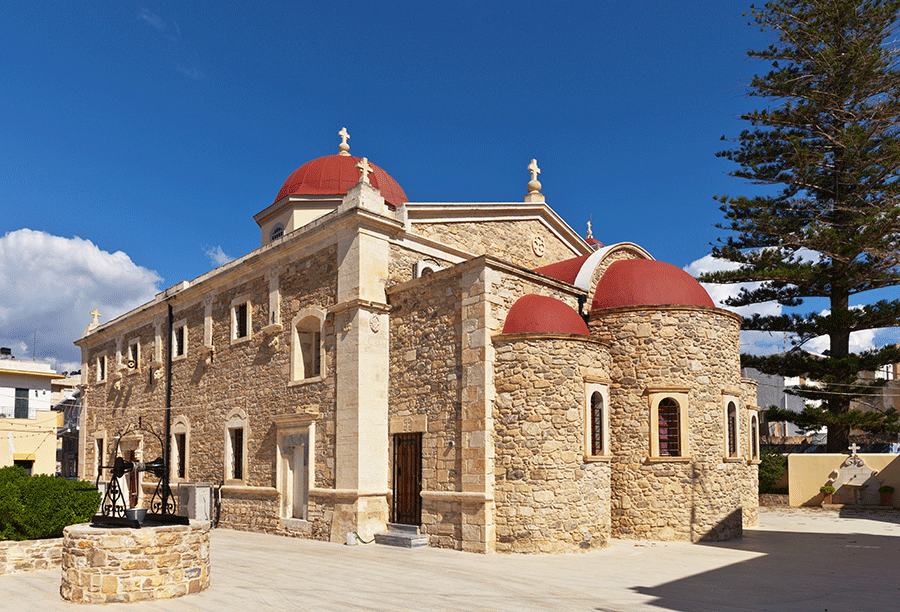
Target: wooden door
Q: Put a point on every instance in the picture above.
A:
(408, 478)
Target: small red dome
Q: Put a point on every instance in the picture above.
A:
(566, 270)
(542, 314)
(335, 175)
(646, 282)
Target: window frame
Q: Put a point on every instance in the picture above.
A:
(680, 396)
(133, 350)
(753, 448)
(102, 368)
(601, 387)
(180, 327)
(236, 304)
(729, 399)
(237, 420)
(20, 397)
(180, 457)
(297, 366)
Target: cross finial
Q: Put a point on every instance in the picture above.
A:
(96, 314)
(364, 170)
(853, 448)
(344, 147)
(533, 167)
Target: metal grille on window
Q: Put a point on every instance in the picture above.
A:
(596, 424)
(669, 428)
(732, 429)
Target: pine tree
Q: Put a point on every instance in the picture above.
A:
(827, 143)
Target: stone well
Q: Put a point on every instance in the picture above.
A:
(118, 564)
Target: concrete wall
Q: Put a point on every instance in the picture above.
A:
(808, 472)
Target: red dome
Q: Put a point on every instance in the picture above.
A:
(645, 282)
(566, 270)
(542, 314)
(335, 175)
(594, 242)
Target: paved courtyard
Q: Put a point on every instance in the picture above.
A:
(797, 560)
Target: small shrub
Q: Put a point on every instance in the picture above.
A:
(827, 489)
(885, 489)
(772, 466)
(38, 507)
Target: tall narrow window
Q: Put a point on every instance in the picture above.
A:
(596, 424)
(134, 355)
(669, 428)
(236, 436)
(99, 444)
(21, 405)
(241, 321)
(101, 368)
(306, 345)
(732, 430)
(754, 437)
(181, 450)
(179, 341)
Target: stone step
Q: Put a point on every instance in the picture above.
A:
(405, 536)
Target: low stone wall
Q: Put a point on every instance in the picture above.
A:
(773, 500)
(30, 555)
(109, 565)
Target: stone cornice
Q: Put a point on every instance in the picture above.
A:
(547, 336)
(599, 312)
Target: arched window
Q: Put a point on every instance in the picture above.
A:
(732, 426)
(669, 428)
(277, 232)
(596, 423)
(754, 437)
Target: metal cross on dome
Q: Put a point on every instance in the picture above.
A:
(364, 170)
(533, 167)
(344, 147)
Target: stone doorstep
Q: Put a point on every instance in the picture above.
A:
(405, 536)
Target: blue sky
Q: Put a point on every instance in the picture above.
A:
(158, 129)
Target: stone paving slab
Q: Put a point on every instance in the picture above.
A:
(798, 560)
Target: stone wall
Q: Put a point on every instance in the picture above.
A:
(110, 565)
(18, 557)
(513, 240)
(253, 375)
(692, 498)
(425, 374)
(548, 498)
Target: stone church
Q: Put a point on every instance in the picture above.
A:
(478, 371)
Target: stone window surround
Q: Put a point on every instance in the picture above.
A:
(288, 424)
(134, 351)
(296, 355)
(236, 419)
(753, 416)
(182, 426)
(180, 325)
(654, 396)
(241, 299)
(99, 451)
(102, 365)
(596, 385)
(731, 397)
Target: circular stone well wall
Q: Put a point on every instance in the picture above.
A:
(118, 564)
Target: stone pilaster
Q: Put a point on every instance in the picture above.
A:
(362, 362)
(478, 529)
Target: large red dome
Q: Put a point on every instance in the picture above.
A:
(335, 175)
(541, 314)
(646, 282)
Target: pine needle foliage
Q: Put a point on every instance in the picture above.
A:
(826, 141)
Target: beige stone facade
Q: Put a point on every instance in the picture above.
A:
(366, 368)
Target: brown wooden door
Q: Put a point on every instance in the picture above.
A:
(408, 478)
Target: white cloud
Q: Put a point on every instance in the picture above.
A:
(158, 23)
(218, 257)
(49, 284)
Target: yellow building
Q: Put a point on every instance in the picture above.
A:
(27, 425)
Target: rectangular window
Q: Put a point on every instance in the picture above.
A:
(181, 451)
(101, 368)
(179, 346)
(134, 355)
(28, 464)
(21, 404)
(596, 424)
(241, 327)
(99, 443)
(237, 453)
